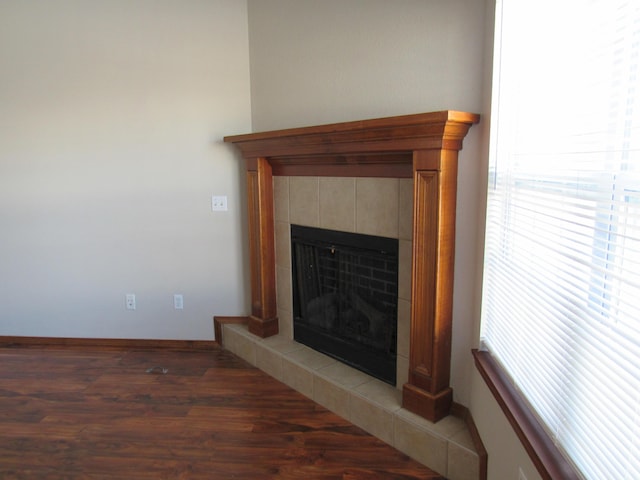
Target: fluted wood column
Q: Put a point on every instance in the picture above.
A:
(427, 392)
(263, 320)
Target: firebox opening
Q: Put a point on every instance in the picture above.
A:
(345, 297)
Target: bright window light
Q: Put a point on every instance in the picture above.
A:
(561, 294)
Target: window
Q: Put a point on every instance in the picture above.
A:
(561, 293)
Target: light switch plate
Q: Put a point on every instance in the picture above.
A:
(219, 203)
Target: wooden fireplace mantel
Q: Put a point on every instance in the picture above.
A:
(423, 147)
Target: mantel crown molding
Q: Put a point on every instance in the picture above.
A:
(423, 131)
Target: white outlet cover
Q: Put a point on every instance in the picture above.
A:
(130, 301)
(178, 301)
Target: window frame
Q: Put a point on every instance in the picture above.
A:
(544, 454)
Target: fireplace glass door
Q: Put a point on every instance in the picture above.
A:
(345, 297)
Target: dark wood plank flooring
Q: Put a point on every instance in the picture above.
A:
(80, 413)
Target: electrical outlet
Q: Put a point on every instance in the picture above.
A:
(219, 203)
(130, 301)
(178, 301)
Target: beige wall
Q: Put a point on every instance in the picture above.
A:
(327, 61)
(111, 118)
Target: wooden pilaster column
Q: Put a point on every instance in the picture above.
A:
(427, 393)
(263, 320)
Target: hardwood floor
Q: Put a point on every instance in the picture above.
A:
(80, 413)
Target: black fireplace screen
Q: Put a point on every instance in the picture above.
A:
(345, 297)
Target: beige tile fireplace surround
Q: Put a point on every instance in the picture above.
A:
(373, 206)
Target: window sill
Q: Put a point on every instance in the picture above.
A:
(546, 457)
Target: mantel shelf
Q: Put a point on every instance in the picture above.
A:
(422, 146)
(383, 145)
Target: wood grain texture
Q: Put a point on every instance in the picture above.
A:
(423, 131)
(98, 413)
(263, 320)
(119, 343)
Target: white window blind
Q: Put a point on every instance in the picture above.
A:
(561, 293)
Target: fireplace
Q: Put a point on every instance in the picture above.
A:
(422, 147)
(345, 297)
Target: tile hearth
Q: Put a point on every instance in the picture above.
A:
(445, 446)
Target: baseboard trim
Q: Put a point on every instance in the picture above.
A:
(116, 343)
(463, 412)
(220, 321)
